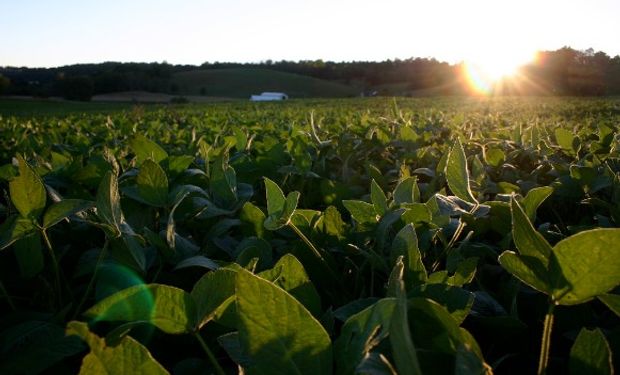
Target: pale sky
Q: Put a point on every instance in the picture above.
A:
(53, 33)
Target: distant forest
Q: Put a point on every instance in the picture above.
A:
(562, 72)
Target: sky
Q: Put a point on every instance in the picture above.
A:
(61, 32)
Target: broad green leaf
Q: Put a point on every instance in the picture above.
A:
(27, 191)
(44, 341)
(612, 301)
(585, 265)
(566, 139)
(457, 174)
(128, 357)
(405, 191)
(406, 244)
(494, 157)
(290, 275)
(465, 272)
(276, 332)
(590, 354)
(214, 294)
(29, 255)
(147, 149)
(456, 300)
(152, 184)
(527, 269)
(283, 217)
(533, 200)
(109, 201)
(275, 198)
(252, 219)
(528, 241)
(15, 228)
(361, 332)
(403, 348)
(65, 208)
(223, 182)
(168, 308)
(362, 212)
(437, 336)
(379, 200)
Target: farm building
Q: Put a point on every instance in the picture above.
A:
(268, 96)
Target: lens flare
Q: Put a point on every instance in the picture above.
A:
(487, 75)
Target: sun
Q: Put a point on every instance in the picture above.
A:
(487, 71)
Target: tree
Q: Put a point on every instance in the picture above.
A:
(77, 88)
(4, 84)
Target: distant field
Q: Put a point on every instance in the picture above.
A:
(19, 107)
(241, 83)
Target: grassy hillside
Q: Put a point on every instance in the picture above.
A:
(243, 82)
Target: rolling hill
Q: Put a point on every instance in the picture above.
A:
(243, 82)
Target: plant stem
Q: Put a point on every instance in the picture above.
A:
(546, 341)
(9, 300)
(56, 268)
(102, 255)
(306, 241)
(203, 344)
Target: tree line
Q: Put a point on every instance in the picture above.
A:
(565, 71)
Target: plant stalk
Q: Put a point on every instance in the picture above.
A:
(55, 266)
(212, 359)
(546, 341)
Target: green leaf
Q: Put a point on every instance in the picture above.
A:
(361, 332)
(403, 349)
(128, 357)
(533, 200)
(527, 269)
(65, 208)
(27, 191)
(494, 157)
(15, 228)
(590, 354)
(457, 174)
(223, 182)
(406, 244)
(170, 309)
(612, 301)
(214, 295)
(379, 200)
(147, 149)
(109, 202)
(275, 198)
(252, 219)
(290, 275)
(456, 300)
(528, 241)
(152, 184)
(362, 212)
(585, 265)
(567, 140)
(29, 255)
(277, 332)
(281, 218)
(405, 191)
